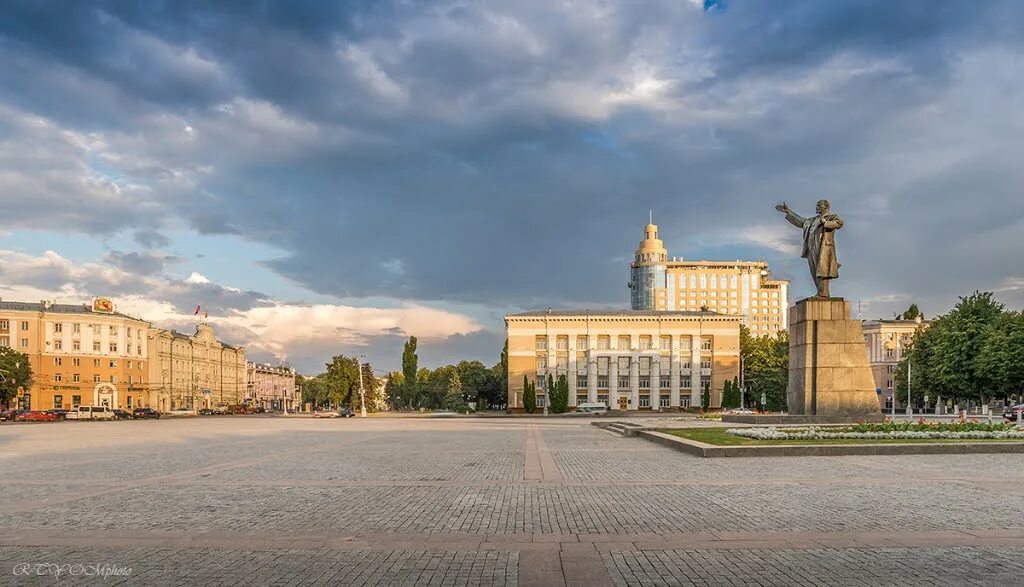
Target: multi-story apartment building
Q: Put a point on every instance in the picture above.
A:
(629, 360)
(886, 340)
(741, 288)
(194, 371)
(80, 354)
(271, 386)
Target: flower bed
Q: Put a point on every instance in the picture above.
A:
(886, 431)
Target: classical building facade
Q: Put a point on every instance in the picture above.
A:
(80, 354)
(628, 359)
(271, 386)
(194, 371)
(886, 340)
(740, 288)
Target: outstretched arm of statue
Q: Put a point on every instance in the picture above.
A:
(791, 216)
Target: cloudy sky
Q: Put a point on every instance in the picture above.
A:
(332, 177)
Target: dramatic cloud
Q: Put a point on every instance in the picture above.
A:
(505, 155)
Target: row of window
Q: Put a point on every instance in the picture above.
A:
(664, 382)
(76, 345)
(604, 341)
(5, 325)
(112, 363)
(76, 378)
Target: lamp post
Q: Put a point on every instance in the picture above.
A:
(362, 395)
(547, 352)
(910, 409)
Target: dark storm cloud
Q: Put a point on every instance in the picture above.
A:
(144, 263)
(507, 155)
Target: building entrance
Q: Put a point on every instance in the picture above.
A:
(623, 403)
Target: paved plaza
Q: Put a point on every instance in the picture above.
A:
(484, 501)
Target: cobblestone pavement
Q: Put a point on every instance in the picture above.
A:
(414, 501)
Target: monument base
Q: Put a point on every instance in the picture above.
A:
(829, 371)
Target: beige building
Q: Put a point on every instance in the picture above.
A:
(628, 359)
(271, 386)
(886, 340)
(194, 371)
(740, 288)
(80, 354)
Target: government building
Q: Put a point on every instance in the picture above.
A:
(627, 359)
(740, 288)
(194, 371)
(80, 354)
(886, 341)
(271, 387)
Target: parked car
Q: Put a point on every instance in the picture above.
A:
(592, 408)
(242, 409)
(182, 413)
(60, 413)
(145, 413)
(11, 414)
(206, 411)
(346, 412)
(120, 414)
(326, 413)
(90, 413)
(259, 410)
(1011, 412)
(36, 416)
(221, 409)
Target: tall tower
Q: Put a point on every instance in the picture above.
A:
(648, 270)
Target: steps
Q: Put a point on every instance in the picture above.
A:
(621, 428)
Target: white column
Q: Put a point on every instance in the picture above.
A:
(695, 372)
(674, 376)
(656, 383)
(591, 377)
(634, 380)
(613, 382)
(571, 377)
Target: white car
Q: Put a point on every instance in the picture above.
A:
(90, 413)
(592, 408)
(181, 412)
(326, 414)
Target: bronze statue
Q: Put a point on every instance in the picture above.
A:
(819, 243)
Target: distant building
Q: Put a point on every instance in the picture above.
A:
(627, 359)
(886, 341)
(80, 354)
(271, 386)
(740, 288)
(194, 371)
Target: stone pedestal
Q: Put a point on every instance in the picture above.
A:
(829, 371)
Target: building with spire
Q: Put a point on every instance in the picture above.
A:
(740, 288)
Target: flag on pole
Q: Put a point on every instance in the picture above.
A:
(206, 315)
(197, 311)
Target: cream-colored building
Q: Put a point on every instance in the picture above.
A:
(740, 288)
(628, 359)
(886, 341)
(194, 371)
(271, 386)
(80, 354)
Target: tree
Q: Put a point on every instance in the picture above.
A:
(955, 346)
(529, 396)
(1000, 363)
(705, 399)
(475, 378)
(560, 396)
(15, 372)
(766, 367)
(341, 380)
(393, 389)
(731, 395)
(410, 363)
(911, 313)
(453, 397)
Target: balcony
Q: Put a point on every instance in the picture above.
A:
(705, 370)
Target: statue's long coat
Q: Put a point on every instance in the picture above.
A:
(819, 242)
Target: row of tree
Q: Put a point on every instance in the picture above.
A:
(765, 370)
(973, 353)
(339, 386)
(454, 387)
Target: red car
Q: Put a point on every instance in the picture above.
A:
(37, 416)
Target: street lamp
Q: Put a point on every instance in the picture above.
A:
(362, 395)
(910, 409)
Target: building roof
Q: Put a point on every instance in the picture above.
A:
(616, 313)
(61, 309)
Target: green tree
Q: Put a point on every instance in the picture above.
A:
(731, 395)
(705, 399)
(1000, 363)
(453, 396)
(560, 396)
(529, 396)
(393, 390)
(476, 381)
(410, 369)
(15, 372)
(955, 347)
(341, 380)
(766, 367)
(911, 313)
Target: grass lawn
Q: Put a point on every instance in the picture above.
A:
(717, 436)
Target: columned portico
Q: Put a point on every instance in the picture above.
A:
(656, 384)
(634, 381)
(613, 384)
(674, 375)
(591, 378)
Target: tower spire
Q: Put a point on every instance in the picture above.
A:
(650, 216)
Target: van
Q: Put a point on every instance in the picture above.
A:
(592, 408)
(90, 413)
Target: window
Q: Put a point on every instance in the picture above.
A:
(623, 381)
(58, 401)
(5, 342)
(113, 347)
(129, 402)
(890, 368)
(24, 325)
(623, 341)
(76, 400)
(562, 343)
(128, 349)
(76, 345)
(665, 381)
(113, 378)
(542, 363)
(5, 325)
(76, 328)
(645, 401)
(128, 331)
(129, 364)
(58, 361)
(75, 377)
(76, 362)
(602, 382)
(95, 346)
(96, 363)
(645, 382)
(888, 384)
(582, 343)
(24, 343)
(113, 331)
(58, 345)
(541, 381)
(96, 378)
(645, 342)
(542, 343)
(57, 378)
(95, 329)
(666, 342)
(58, 327)
(581, 382)
(604, 342)
(705, 383)
(705, 343)
(705, 363)
(663, 402)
